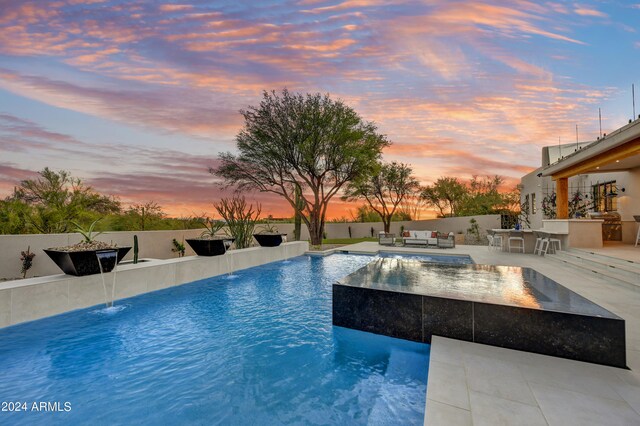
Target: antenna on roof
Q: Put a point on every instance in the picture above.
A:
(559, 148)
(633, 100)
(600, 120)
(577, 137)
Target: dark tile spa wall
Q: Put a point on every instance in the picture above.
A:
(417, 318)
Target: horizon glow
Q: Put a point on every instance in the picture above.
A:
(137, 98)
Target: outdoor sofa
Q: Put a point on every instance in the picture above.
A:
(428, 238)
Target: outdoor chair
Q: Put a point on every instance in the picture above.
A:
(542, 244)
(516, 240)
(553, 242)
(495, 240)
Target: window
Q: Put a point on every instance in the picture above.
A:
(533, 203)
(605, 197)
(526, 200)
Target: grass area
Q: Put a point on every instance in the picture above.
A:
(347, 240)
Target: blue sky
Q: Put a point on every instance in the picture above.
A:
(138, 97)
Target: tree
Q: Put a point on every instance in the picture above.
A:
(307, 141)
(446, 195)
(483, 197)
(145, 214)
(384, 190)
(55, 199)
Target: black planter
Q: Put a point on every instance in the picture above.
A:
(80, 263)
(214, 247)
(269, 240)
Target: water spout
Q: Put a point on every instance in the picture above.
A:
(229, 268)
(108, 260)
(286, 257)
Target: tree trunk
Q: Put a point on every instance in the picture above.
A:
(387, 224)
(297, 219)
(316, 229)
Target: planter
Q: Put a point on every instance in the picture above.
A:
(213, 247)
(269, 240)
(80, 263)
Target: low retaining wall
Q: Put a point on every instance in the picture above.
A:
(34, 298)
(157, 244)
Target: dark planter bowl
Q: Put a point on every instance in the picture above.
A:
(214, 247)
(269, 240)
(80, 263)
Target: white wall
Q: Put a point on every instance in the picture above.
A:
(157, 244)
(152, 244)
(34, 298)
(360, 230)
(628, 201)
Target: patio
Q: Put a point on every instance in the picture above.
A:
(476, 384)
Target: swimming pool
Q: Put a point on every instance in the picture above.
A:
(258, 348)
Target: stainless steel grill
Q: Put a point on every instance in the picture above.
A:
(612, 226)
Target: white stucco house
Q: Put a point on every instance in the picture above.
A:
(604, 174)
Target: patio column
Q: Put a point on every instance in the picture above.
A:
(562, 198)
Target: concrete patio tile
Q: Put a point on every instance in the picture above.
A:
(498, 378)
(574, 376)
(447, 384)
(566, 408)
(446, 350)
(633, 359)
(492, 352)
(446, 415)
(492, 411)
(630, 393)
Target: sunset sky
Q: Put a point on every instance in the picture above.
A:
(138, 97)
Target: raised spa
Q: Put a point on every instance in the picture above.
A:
(505, 306)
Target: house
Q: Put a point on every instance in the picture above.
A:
(596, 186)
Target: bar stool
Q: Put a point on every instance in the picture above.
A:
(553, 242)
(637, 218)
(495, 240)
(516, 237)
(542, 243)
(539, 240)
(490, 239)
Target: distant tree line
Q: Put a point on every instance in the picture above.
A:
(54, 201)
(307, 149)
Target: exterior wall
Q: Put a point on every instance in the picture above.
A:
(34, 298)
(157, 244)
(360, 230)
(152, 244)
(628, 201)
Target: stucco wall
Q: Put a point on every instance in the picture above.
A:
(34, 298)
(628, 201)
(360, 230)
(157, 244)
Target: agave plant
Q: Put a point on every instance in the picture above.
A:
(88, 234)
(211, 227)
(268, 228)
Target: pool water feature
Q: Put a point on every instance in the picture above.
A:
(104, 258)
(259, 349)
(506, 306)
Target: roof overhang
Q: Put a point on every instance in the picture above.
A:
(618, 151)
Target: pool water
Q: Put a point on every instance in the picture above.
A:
(255, 349)
(431, 258)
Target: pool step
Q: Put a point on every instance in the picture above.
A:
(608, 259)
(613, 270)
